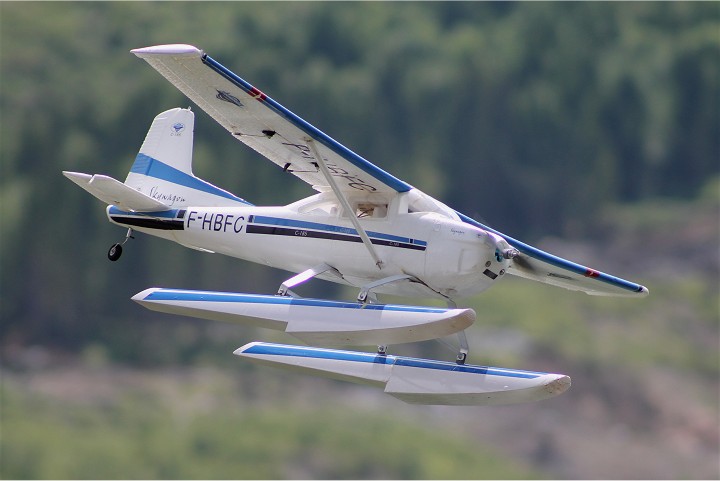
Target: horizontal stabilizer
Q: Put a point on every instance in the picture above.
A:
(114, 192)
(315, 321)
(416, 381)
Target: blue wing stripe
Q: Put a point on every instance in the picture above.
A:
(543, 256)
(371, 169)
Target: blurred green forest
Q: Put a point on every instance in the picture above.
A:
(594, 122)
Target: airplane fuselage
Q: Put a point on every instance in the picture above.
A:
(364, 228)
(450, 258)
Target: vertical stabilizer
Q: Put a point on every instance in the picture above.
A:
(170, 139)
(163, 167)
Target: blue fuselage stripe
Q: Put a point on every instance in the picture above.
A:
(157, 220)
(165, 214)
(319, 353)
(259, 219)
(207, 296)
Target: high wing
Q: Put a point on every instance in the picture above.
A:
(278, 134)
(538, 265)
(263, 124)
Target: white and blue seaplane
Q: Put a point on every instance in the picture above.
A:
(363, 228)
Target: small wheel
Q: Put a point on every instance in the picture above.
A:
(461, 357)
(115, 252)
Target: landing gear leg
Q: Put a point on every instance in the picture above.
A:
(365, 292)
(305, 276)
(116, 249)
(462, 340)
(464, 348)
(366, 296)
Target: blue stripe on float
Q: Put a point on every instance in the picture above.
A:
(151, 167)
(209, 296)
(543, 256)
(269, 349)
(366, 166)
(452, 366)
(259, 219)
(318, 353)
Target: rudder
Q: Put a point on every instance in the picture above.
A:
(163, 167)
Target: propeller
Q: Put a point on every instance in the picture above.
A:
(522, 262)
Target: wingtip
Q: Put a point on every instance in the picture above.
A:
(142, 296)
(76, 175)
(78, 178)
(171, 49)
(240, 351)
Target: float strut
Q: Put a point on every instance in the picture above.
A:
(464, 348)
(365, 290)
(304, 276)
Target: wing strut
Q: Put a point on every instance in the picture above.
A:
(344, 202)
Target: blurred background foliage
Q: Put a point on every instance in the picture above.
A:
(595, 122)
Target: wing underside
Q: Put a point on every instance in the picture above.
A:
(263, 124)
(538, 265)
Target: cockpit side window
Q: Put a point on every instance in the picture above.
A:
(325, 208)
(368, 210)
(420, 202)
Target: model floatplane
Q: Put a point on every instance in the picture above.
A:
(364, 228)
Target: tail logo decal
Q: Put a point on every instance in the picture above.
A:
(177, 129)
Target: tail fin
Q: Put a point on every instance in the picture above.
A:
(163, 167)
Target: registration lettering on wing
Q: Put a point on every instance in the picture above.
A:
(336, 171)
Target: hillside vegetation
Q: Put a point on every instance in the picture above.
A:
(165, 425)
